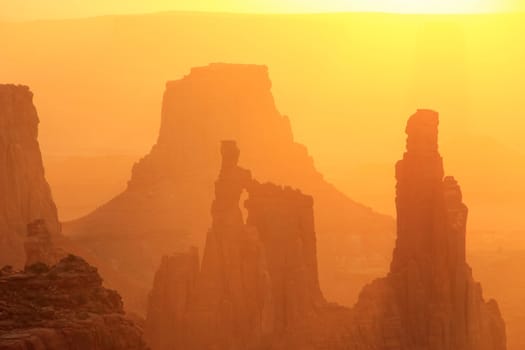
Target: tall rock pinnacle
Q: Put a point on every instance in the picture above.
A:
(419, 192)
(429, 300)
(258, 285)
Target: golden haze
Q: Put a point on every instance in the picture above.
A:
(98, 83)
(41, 9)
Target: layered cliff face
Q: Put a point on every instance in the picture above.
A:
(429, 300)
(165, 207)
(63, 307)
(258, 284)
(25, 194)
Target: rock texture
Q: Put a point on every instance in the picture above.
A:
(25, 194)
(63, 307)
(165, 207)
(258, 284)
(39, 245)
(429, 300)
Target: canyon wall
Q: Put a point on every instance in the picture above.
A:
(24, 192)
(165, 207)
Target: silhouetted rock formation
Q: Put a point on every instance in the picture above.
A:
(165, 207)
(258, 285)
(429, 300)
(39, 246)
(63, 307)
(232, 302)
(24, 192)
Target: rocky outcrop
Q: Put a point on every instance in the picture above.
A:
(24, 192)
(258, 284)
(429, 300)
(63, 307)
(39, 246)
(165, 207)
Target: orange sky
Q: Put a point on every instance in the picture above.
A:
(39, 9)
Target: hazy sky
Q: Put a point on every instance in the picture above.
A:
(39, 9)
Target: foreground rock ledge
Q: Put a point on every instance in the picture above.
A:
(63, 307)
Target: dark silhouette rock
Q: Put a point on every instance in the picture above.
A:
(165, 207)
(63, 307)
(429, 300)
(24, 192)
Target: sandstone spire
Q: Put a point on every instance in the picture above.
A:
(258, 286)
(429, 300)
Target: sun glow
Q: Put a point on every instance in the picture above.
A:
(40, 9)
(396, 6)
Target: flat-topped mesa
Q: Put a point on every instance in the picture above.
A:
(24, 192)
(239, 93)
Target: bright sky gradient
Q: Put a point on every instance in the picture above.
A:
(40, 9)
